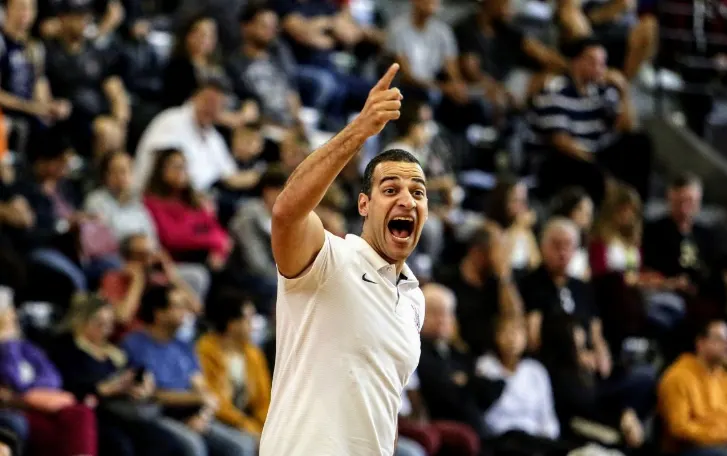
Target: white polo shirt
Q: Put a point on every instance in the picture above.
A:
(347, 342)
(208, 157)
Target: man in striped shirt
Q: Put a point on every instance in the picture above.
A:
(582, 126)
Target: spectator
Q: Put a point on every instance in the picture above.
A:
(483, 285)
(584, 125)
(250, 229)
(579, 397)
(523, 416)
(24, 92)
(693, 418)
(63, 236)
(193, 60)
(682, 251)
(435, 437)
(116, 203)
(128, 425)
(58, 424)
(426, 49)
(108, 15)
(235, 369)
(574, 203)
(88, 78)
(181, 387)
(548, 291)
(314, 29)
(191, 129)
(264, 69)
(492, 48)
(630, 40)
(146, 265)
(509, 209)
(188, 228)
(445, 372)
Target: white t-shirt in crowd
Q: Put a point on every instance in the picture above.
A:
(347, 342)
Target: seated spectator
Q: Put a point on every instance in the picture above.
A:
(128, 424)
(445, 372)
(426, 49)
(574, 203)
(509, 209)
(522, 419)
(492, 48)
(191, 129)
(58, 423)
(24, 93)
(193, 60)
(63, 236)
(435, 437)
(146, 265)
(263, 68)
(315, 28)
(683, 252)
(188, 228)
(189, 404)
(483, 286)
(234, 368)
(582, 125)
(549, 292)
(693, 417)
(88, 78)
(580, 398)
(250, 229)
(116, 203)
(630, 40)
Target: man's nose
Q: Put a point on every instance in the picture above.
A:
(407, 200)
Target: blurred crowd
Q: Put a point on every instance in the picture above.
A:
(144, 143)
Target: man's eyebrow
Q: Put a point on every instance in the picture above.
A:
(418, 180)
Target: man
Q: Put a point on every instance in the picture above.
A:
(181, 388)
(85, 75)
(262, 68)
(191, 129)
(483, 285)
(348, 312)
(24, 92)
(584, 124)
(427, 50)
(691, 396)
(683, 252)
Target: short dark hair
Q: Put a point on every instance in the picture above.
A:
(482, 237)
(154, 299)
(273, 177)
(576, 48)
(228, 308)
(683, 180)
(410, 117)
(703, 327)
(393, 155)
(565, 202)
(252, 10)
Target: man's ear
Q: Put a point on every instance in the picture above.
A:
(363, 204)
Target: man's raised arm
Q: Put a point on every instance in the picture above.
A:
(297, 233)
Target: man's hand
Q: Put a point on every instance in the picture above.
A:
(382, 105)
(200, 422)
(18, 213)
(632, 429)
(117, 385)
(61, 109)
(145, 389)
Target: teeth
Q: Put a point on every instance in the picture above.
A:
(407, 219)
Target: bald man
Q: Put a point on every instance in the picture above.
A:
(444, 371)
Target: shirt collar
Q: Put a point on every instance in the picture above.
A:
(382, 266)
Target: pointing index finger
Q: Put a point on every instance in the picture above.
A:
(385, 81)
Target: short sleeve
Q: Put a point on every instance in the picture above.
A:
(549, 116)
(449, 42)
(331, 257)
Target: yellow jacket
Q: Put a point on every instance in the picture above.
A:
(693, 404)
(214, 367)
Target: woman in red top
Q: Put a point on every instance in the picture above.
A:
(186, 224)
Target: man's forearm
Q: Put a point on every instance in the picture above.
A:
(178, 398)
(565, 143)
(312, 178)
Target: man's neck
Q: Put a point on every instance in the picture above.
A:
(399, 265)
(485, 22)
(470, 273)
(159, 334)
(509, 363)
(252, 51)
(560, 279)
(709, 366)
(580, 82)
(230, 343)
(15, 32)
(419, 20)
(684, 225)
(73, 45)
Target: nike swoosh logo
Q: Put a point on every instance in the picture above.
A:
(366, 279)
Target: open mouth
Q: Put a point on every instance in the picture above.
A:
(401, 227)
